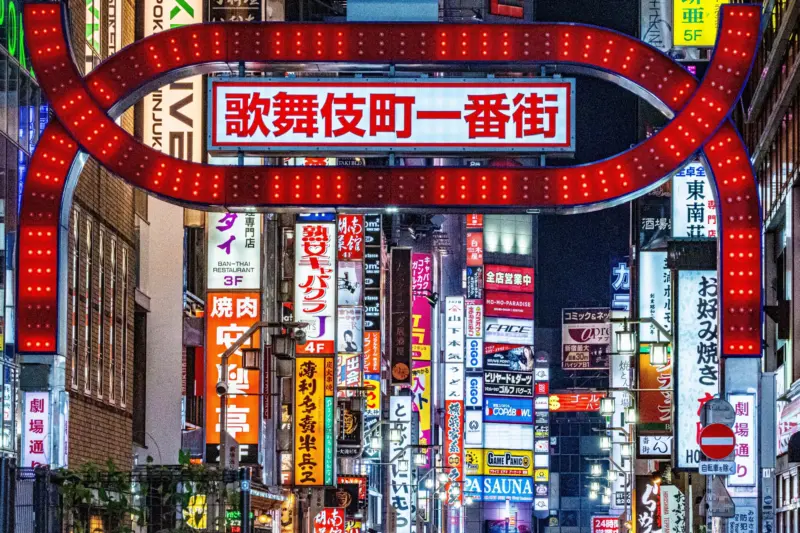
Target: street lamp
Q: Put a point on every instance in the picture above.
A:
(429, 483)
(613, 475)
(605, 443)
(470, 500)
(606, 499)
(402, 465)
(443, 478)
(626, 341)
(658, 353)
(596, 470)
(626, 450)
(443, 496)
(251, 358)
(395, 435)
(630, 415)
(607, 406)
(592, 495)
(420, 459)
(376, 442)
(594, 485)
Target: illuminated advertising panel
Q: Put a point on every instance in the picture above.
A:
(234, 251)
(499, 462)
(454, 330)
(431, 115)
(473, 428)
(508, 330)
(474, 248)
(508, 278)
(173, 114)
(315, 297)
(605, 524)
(585, 338)
(697, 359)
(473, 397)
(313, 421)
(399, 480)
(474, 359)
(508, 410)
(655, 295)
(372, 352)
(400, 329)
(509, 305)
(230, 314)
(655, 408)
(36, 429)
(474, 318)
(575, 403)
(508, 357)
(499, 488)
(453, 446)
(350, 238)
(508, 436)
(516, 384)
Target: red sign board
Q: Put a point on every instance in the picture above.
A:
(474, 221)
(508, 304)
(362, 485)
(605, 524)
(329, 520)
(576, 403)
(474, 249)
(372, 352)
(508, 278)
(717, 441)
(350, 238)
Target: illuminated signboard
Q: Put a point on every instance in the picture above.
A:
(313, 421)
(695, 23)
(36, 429)
(234, 250)
(12, 33)
(312, 115)
(399, 494)
(694, 209)
(576, 403)
(315, 297)
(230, 315)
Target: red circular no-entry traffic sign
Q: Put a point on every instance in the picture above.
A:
(717, 441)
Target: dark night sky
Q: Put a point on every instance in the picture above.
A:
(574, 250)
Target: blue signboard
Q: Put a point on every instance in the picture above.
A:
(510, 410)
(499, 488)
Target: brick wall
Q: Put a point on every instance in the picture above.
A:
(99, 416)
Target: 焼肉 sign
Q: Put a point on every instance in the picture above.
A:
(315, 114)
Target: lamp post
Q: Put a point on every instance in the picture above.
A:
(222, 386)
(625, 453)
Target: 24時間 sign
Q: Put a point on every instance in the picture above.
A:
(286, 115)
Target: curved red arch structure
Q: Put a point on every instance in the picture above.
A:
(85, 123)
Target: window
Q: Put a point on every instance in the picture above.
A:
(101, 311)
(89, 316)
(73, 287)
(112, 337)
(123, 386)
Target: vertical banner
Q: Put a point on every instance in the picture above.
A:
(655, 294)
(36, 429)
(620, 284)
(655, 408)
(350, 315)
(115, 21)
(372, 294)
(454, 396)
(421, 341)
(329, 520)
(400, 480)
(350, 238)
(372, 412)
(400, 316)
(288, 514)
(173, 114)
(313, 421)
(694, 209)
(745, 429)
(673, 510)
(648, 504)
(620, 375)
(230, 314)
(314, 295)
(541, 453)
(696, 361)
(655, 26)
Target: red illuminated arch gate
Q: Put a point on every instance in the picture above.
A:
(85, 108)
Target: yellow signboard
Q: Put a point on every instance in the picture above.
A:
(490, 462)
(541, 475)
(309, 421)
(695, 22)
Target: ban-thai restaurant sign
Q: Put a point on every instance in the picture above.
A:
(434, 115)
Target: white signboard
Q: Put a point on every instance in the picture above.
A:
(315, 284)
(697, 359)
(454, 330)
(744, 429)
(474, 354)
(173, 114)
(36, 429)
(508, 330)
(474, 318)
(473, 428)
(453, 381)
(655, 294)
(716, 468)
(399, 495)
(694, 210)
(474, 396)
(673, 509)
(508, 436)
(234, 250)
(655, 446)
(432, 115)
(620, 381)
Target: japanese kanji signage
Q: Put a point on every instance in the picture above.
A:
(454, 446)
(36, 429)
(474, 248)
(585, 338)
(696, 361)
(655, 24)
(400, 481)
(673, 509)
(329, 520)
(302, 115)
(579, 402)
(350, 238)
(655, 407)
(694, 209)
(655, 445)
(508, 278)
(421, 339)
(605, 524)
(454, 329)
(230, 314)
(400, 316)
(744, 428)
(313, 421)
(315, 289)
(517, 384)
(696, 22)
(648, 505)
(234, 251)
(655, 295)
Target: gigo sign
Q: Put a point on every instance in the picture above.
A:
(320, 114)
